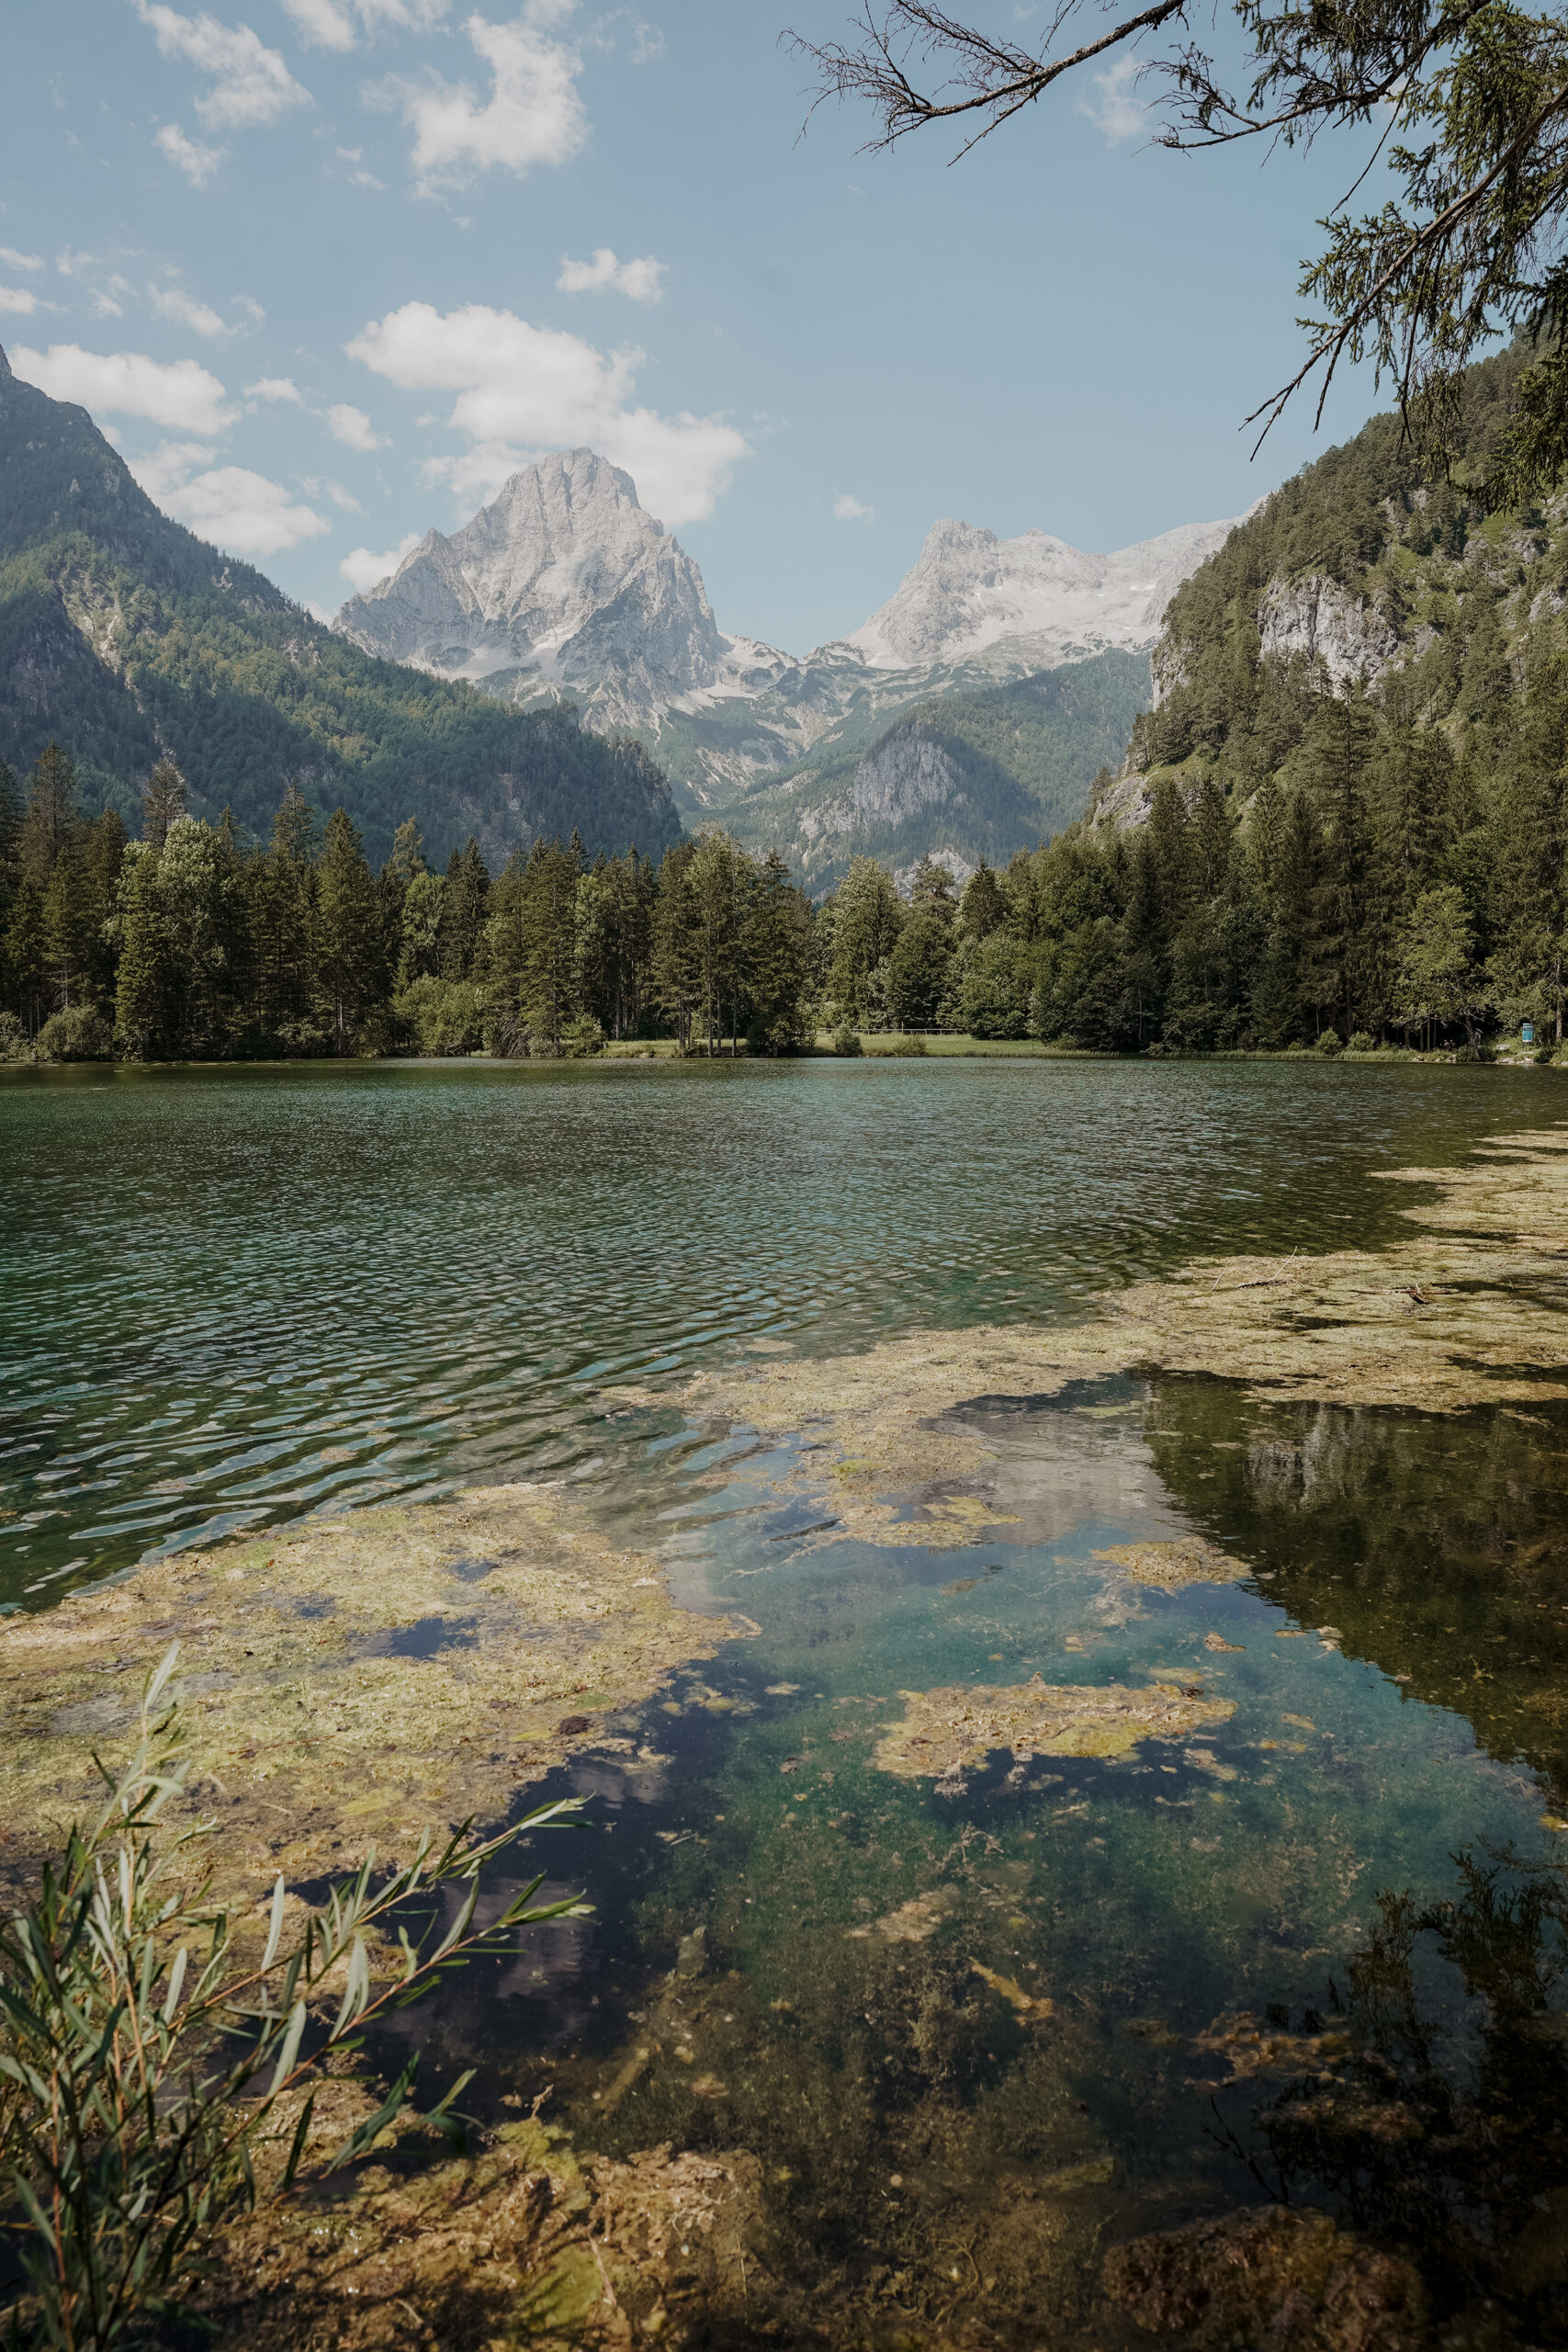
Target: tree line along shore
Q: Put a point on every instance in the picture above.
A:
(1188, 933)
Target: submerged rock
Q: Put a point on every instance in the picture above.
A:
(522, 2243)
(960, 1724)
(1280, 2281)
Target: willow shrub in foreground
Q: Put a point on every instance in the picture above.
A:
(141, 2057)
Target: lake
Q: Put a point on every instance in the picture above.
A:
(977, 2031)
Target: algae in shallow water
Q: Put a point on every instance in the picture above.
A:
(360, 1682)
(1474, 1311)
(944, 1730)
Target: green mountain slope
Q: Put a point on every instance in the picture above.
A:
(984, 771)
(1346, 818)
(129, 638)
(1359, 568)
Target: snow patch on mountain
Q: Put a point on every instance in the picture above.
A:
(971, 592)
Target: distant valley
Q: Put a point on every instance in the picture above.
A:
(967, 717)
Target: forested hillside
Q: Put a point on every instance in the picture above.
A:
(1348, 812)
(981, 770)
(127, 639)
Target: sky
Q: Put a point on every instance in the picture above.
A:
(326, 271)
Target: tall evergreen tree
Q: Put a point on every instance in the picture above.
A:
(162, 801)
(146, 976)
(548, 915)
(52, 818)
(349, 946)
(26, 955)
(777, 953)
(463, 911)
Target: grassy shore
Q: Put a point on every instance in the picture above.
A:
(884, 1046)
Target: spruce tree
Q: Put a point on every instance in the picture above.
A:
(984, 906)
(348, 929)
(549, 930)
(868, 916)
(675, 978)
(162, 801)
(145, 979)
(52, 820)
(280, 892)
(26, 955)
(72, 920)
(463, 909)
(776, 948)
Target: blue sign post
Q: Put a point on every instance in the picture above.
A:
(1526, 1035)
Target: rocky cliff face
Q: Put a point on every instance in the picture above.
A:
(562, 580)
(1315, 617)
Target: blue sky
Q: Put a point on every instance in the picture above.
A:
(327, 269)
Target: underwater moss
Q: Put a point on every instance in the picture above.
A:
(1278, 2280)
(943, 1731)
(523, 2242)
(357, 1682)
(1474, 1310)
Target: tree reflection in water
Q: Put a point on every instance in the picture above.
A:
(1444, 2131)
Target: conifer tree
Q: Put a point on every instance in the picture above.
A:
(51, 818)
(281, 894)
(984, 906)
(717, 890)
(463, 912)
(547, 924)
(776, 949)
(26, 953)
(162, 801)
(675, 977)
(867, 918)
(70, 921)
(348, 929)
(145, 979)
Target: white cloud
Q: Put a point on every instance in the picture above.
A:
(344, 498)
(251, 307)
(20, 301)
(850, 510)
(187, 155)
(533, 114)
(364, 570)
(239, 511)
(523, 390)
(359, 177)
(642, 280)
(14, 260)
(645, 41)
(1113, 108)
(352, 427)
(251, 84)
(336, 24)
(178, 394)
(272, 387)
(174, 302)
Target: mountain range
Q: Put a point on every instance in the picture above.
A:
(556, 663)
(968, 715)
(130, 639)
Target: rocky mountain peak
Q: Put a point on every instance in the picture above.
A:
(970, 591)
(562, 579)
